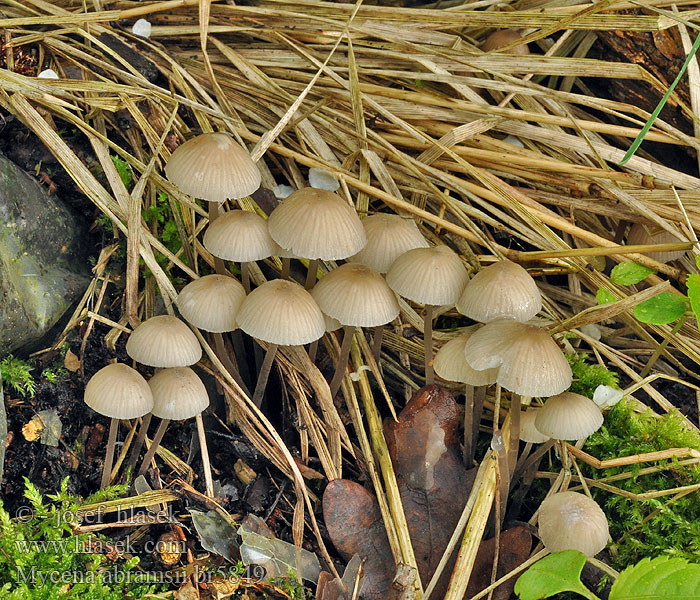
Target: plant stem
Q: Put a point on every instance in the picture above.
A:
(479, 397)
(219, 265)
(245, 276)
(109, 456)
(313, 349)
(341, 367)
(264, 374)
(160, 432)
(428, 342)
(227, 362)
(209, 484)
(136, 450)
(312, 273)
(377, 342)
(514, 441)
(468, 424)
(286, 263)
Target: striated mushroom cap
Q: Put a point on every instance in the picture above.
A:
(164, 341)
(651, 234)
(529, 360)
(281, 312)
(211, 303)
(315, 223)
(503, 290)
(433, 276)
(178, 394)
(214, 167)
(239, 235)
(572, 521)
(356, 295)
(569, 416)
(119, 392)
(528, 432)
(388, 237)
(451, 365)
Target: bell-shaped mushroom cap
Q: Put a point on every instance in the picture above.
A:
(211, 302)
(213, 167)
(503, 290)
(314, 223)
(119, 392)
(356, 295)
(164, 341)
(651, 234)
(388, 237)
(451, 365)
(569, 416)
(528, 432)
(239, 235)
(433, 276)
(572, 521)
(331, 323)
(531, 363)
(505, 37)
(178, 394)
(281, 312)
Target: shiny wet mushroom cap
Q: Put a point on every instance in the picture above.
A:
(164, 341)
(572, 521)
(213, 167)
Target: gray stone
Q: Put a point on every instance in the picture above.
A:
(43, 268)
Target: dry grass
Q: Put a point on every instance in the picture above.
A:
(392, 101)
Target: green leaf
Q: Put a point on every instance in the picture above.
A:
(556, 573)
(628, 273)
(693, 283)
(661, 578)
(661, 309)
(697, 260)
(603, 296)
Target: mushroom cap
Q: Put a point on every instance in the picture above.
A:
(451, 365)
(528, 432)
(239, 235)
(503, 290)
(356, 295)
(164, 341)
(331, 323)
(569, 416)
(178, 394)
(505, 37)
(281, 312)
(433, 276)
(119, 392)
(314, 223)
(530, 361)
(388, 237)
(651, 234)
(211, 302)
(214, 167)
(572, 521)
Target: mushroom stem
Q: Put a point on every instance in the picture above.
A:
(245, 276)
(136, 450)
(479, 397)
(468, 423)
(349, 332)
(219, 265)
(109, 456)
(286, 264)
(160, 432)
(514, 442)
(377, 342)
(264, 374)
(312, 273)
(209, 484)
(313, 349)
(428, 341)
(227, 362)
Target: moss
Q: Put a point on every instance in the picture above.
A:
(587, 376)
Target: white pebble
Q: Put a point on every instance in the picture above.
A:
(322, 179)
(142, 28)
(282, 191)
(592, 331)
(511, 139)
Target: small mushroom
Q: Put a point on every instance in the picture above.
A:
(119, 392)
(572, 521)
(568, 416)
(505, 37)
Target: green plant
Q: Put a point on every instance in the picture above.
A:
(41, 558)
(17, 374)
(587, 377)
(660, 578)
(291, 586)
(124, 170)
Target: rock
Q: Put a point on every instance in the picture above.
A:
(43, 269)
